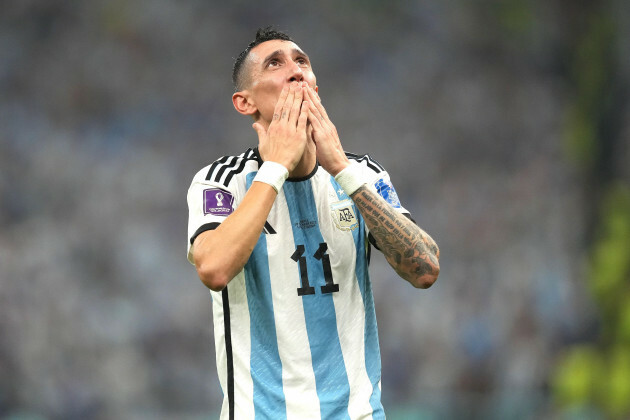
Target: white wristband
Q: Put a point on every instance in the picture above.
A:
(272, 173)
(350, 178)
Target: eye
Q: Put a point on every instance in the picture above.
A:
(273, 62)
(302, 61)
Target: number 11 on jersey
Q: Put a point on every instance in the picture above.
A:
(320, 255)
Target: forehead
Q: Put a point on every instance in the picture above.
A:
(260, 51)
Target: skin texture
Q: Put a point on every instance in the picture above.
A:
(408, 249)
(273, 66)
(294, 130)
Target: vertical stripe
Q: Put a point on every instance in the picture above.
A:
(265, 364)
(298, 378)
(240, 389)
(331, 380)
(371, 346)
(349, 306)
(228, 352)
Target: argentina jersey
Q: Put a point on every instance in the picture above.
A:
(295, 330)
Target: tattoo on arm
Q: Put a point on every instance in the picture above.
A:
(409, 249)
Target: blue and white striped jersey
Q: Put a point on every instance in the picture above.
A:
(295, 330)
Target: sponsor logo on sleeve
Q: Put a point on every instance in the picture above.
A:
(217, 202)
(343, 215)
(387, 191)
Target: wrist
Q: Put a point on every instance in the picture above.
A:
(350, 178)
(272, 173)
(340, 168)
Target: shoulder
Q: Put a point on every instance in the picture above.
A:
(223, 170)
(366, 160)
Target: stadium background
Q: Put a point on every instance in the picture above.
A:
(505, 126)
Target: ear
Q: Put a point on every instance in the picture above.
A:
(243, 104)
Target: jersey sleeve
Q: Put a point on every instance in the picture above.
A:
(209, 203)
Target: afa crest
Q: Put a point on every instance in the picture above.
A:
(343, 215)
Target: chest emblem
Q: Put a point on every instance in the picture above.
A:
(343, 215)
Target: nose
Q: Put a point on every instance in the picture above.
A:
(295, 73)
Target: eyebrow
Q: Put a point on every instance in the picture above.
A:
(277, 53)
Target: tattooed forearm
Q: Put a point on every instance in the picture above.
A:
(408, 249)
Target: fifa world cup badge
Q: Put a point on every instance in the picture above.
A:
(344, 215)
(217, 202)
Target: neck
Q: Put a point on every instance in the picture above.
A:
(306, 165)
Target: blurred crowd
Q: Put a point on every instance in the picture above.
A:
(108, 108)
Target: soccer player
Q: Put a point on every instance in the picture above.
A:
(281, 235)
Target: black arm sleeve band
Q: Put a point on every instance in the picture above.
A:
(202, 229)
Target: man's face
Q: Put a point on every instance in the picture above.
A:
(272, 65)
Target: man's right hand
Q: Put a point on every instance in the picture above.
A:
(285, 138)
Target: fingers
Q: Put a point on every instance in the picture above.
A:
(277, 112)
(317, 107)
(288, 103)
(301, 123)
(316, 118)
(296, 106)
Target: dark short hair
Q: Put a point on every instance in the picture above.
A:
(262, 35)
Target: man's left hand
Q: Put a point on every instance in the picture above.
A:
(330, 153)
